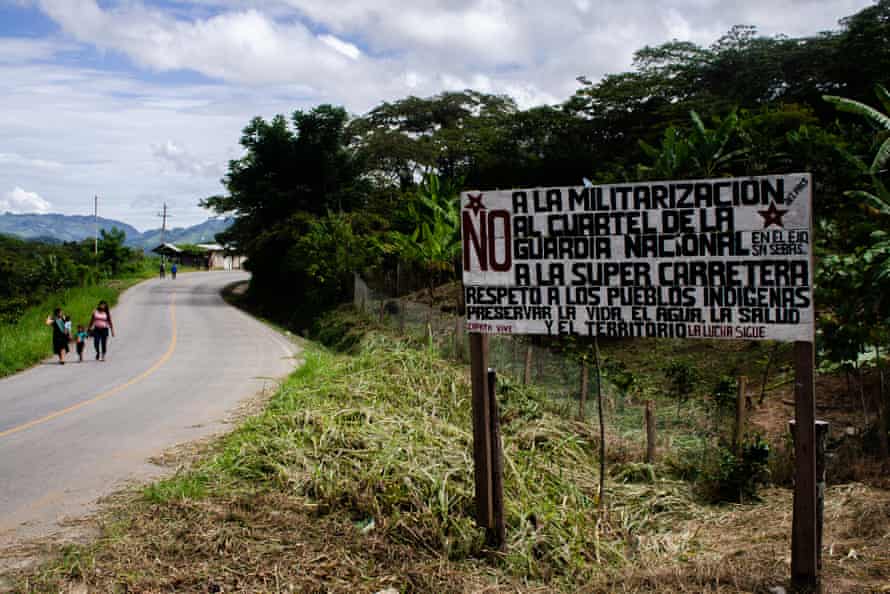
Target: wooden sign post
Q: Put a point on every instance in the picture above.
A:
(481, 429)
(804, 551)
(487, 449)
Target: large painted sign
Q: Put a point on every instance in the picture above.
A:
(713, 258)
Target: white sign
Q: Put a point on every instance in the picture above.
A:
(714, 258)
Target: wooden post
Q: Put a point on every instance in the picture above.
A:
(481, 429)
(459, 338)
(585, 379)
(804, 538)
(496, 535)
(527, 376)
(650, 432)
(738, 434)
(883, 442)
(821, 444)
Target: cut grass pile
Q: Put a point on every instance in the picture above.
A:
(358, 477)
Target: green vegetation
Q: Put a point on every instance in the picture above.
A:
(358, 476)
(36, 278)
(745, 105)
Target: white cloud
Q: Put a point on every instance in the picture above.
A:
(19, 201)
(17, 160)
(183, 161)
(18, 50)
(344, 47)
(71, 129)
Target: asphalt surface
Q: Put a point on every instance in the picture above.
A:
(181, 361)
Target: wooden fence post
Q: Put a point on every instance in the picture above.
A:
(527, 375)
(650, 432)
(497, 533)
(738, 434)
(481, 429)
(821, 444)
(459, 340)
(585, 383)
(804, 538)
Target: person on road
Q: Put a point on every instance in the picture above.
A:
(101, 324)
(60, 337)
(68, 332)
(163, 270)
(173, 270)
(81, 340)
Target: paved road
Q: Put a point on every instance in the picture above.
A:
(182, 359)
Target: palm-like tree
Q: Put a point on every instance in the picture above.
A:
(880, 200)
(435, 242)
(703, 153)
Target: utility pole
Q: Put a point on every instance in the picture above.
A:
(96, 225)
(164, 216)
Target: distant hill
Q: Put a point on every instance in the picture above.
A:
(55, 228)
(201, 233)
(58, 227)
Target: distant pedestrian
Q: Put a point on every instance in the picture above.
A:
(60, 337)
(163, 271)
(100, 325)
(80, 340)
(173, 270)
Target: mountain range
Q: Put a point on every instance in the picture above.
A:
(61, 228)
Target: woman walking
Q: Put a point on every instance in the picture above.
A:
(60, 336)
(101, 324)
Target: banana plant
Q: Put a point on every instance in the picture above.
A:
(874, 116)
(434, 244)
(708, 148)
(877, 201)
(704, 152)
(669, 160)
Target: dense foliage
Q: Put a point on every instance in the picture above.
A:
(31, 270)
(310, 190)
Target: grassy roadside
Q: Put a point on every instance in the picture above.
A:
(358, 477)
(28, 341)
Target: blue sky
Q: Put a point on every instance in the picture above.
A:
(142, 102)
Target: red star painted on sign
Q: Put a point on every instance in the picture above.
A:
(475, 203)
(772, 216)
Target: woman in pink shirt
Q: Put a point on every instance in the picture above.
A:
(100, 325)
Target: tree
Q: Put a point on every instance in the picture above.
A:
(434, 244)
(112, 252)
(704, 152)
(292, 173)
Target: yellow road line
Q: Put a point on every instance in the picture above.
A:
(107, 394)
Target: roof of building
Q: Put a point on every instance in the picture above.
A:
(166, 248)
(212, 247)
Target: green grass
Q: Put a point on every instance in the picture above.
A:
(359, 475)
(188, 486)
(29, 340)
(384, 434)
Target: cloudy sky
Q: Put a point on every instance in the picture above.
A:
(141, 102)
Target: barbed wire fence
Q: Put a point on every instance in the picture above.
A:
(411, 312)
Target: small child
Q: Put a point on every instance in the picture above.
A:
(68, 332)
(81, 338)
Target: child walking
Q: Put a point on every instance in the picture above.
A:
(81, 339)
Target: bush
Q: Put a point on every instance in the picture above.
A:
(727, 477)
(724, 394)
(682, 375)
